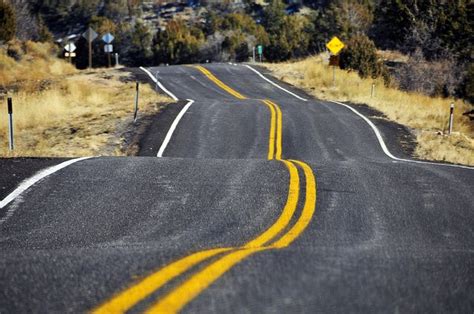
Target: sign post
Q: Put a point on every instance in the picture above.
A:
(90, 35)
(10, 121)
(335, 45)
(108, 48)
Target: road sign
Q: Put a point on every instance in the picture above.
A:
(335, 45)
(90, 35)
(108, 48)
(108, 38)
(334, 61)
(259, 49)
(70, 47)
(70, 54)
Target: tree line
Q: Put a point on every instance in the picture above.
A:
(436, 34)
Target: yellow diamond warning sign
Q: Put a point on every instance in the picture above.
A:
(335, 45)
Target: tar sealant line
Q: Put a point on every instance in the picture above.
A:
(372, 125)
(274, 84)
(25, 185)
(159, 84)
(173, 128)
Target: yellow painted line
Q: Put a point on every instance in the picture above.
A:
(183, 294)
(219, 83)
(131, 296)
(278, 150)
(287, 213)
(186, 292)
(126, 299)
(271, 140)
(308, 209)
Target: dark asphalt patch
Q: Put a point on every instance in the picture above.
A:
(15, 170)
(400, 141)
(155, 133)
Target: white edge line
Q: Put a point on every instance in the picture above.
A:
(384, 147)
(159, 83)
(26, 184)
(274, 84)
(173, 128)
(374, 128)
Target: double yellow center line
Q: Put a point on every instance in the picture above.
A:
(279, 235)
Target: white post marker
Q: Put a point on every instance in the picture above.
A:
(372, 91)
(10, 122)
(136, 102)
(451, 118)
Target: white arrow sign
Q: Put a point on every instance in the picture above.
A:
(70, 47)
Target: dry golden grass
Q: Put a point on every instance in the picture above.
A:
(37, 63)
(426, 115)
(84, 114)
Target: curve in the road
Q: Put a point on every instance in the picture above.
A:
(192, 287)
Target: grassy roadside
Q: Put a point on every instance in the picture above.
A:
(61, 112)
(427, 117)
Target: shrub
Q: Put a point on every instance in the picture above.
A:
(7, 22)
(361, 56)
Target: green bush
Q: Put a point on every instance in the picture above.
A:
(7, 22)
(361, 55)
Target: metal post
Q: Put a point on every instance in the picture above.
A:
(136, 102)
(260, 57)
(372, 91)
(10, 122)
(90, 54)
(253, 54)
(334, 76)
(109, 60)
(116, 59)
(451, 118)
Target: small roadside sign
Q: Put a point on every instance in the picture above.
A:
(70, 54)
(335, 45)
(70, 47)
(334, 61)
(259, 49)
(108, 48)
(108, 38)
(90, 35)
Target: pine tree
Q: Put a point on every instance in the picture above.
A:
(7, 22)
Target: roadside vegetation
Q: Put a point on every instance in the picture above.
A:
(62, 112)
(426, 62)
(426, 116)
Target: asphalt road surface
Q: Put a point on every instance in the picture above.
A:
(261, 203)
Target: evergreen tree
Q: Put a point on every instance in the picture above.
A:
(7, 22)
(140, 48)
(393, 23)
(361, 55)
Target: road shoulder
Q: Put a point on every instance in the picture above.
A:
(16, 170)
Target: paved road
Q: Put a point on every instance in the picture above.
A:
(262, 203)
